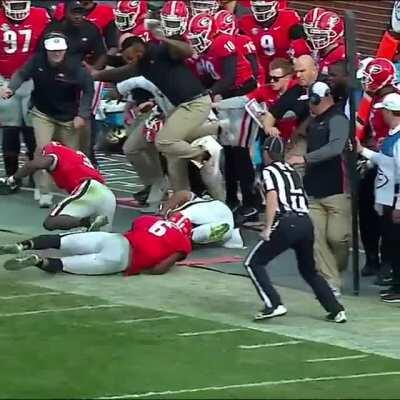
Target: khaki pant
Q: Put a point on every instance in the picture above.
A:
(331, 217)
(181, 128)
(143, 155)
(47, 129)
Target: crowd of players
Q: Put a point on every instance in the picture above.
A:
(259, 65)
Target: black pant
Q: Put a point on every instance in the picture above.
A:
(293, 232)
(239, 167)
(391, 233)
(370, 227)
(12, 146)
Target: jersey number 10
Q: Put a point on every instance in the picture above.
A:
(10, 39)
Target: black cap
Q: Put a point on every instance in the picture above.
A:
(75, 6)
(275, 147)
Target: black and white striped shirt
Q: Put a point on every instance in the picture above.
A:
(282, 178)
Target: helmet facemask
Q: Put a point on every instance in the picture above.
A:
(17, 10)
(263, 10)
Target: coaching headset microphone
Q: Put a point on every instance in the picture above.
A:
(317, 92)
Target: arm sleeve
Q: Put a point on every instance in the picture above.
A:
(22, 74)
(338, 134)
(396, 155)
(232, 103)
(227, 80)
(111, 35)
(87, 86)
(279, 109)
(254, 64)
(117, 74)
(125, 87)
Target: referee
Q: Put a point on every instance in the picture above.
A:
(287, 226)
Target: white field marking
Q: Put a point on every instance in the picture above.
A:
(133, 321)
(314, 360)
(23, 296)
(249, 385)
(57, 310)
(278, 344)
(210, 332)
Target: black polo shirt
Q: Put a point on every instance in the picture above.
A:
(83, 41)
(292, 100)
(173, 77)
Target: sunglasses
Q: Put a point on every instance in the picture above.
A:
(277, 78)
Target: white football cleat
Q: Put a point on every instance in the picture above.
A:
(46, 200)
(15, 264)
(235, 241)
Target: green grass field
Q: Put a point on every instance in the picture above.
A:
(60, 345)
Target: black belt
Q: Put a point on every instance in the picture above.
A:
(197, 96)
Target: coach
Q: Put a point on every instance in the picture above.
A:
(163, 65)
(325, 182)
(61, 99)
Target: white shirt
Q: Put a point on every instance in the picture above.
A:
(388, 169)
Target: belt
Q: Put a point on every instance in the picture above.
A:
(197, 96)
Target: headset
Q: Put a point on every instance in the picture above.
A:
(314, 98)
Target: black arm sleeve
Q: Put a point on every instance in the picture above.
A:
(111, 36)
(254, 64)
(227, 80)
(87, 86)
(297, 32)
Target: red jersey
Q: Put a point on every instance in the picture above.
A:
(154, 239)
(247, 47)
(210, 62)
(139, 30)
(19, 39)
(102, 15)
(71, 167)
(335, 55)
(273, 41)
(379, 128)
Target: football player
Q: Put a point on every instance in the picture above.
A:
(152, 246)
(212, 220)
(203, 6)
(270, 28)
(130, 20)
(71, 171)
(102, 15)
(174, 18)
(325, 30)
(231, 76)
(219, 59)
(226, 23)
(378, 81)
(21, 29)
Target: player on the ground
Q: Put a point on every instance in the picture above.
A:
(212, 220)
(71, 171)
(325, 31)
(130, 20)
(21, 29)
(151, 246)
(227, 24)
(271, 29)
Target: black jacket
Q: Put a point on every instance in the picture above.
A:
(62, 92)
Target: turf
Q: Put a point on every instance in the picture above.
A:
(91, 353)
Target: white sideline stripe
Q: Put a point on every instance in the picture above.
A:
(210, 332)
(249, 385)
(57, 310)
(25, 296)
(132, 321)
(337, 358)
(258, 346)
